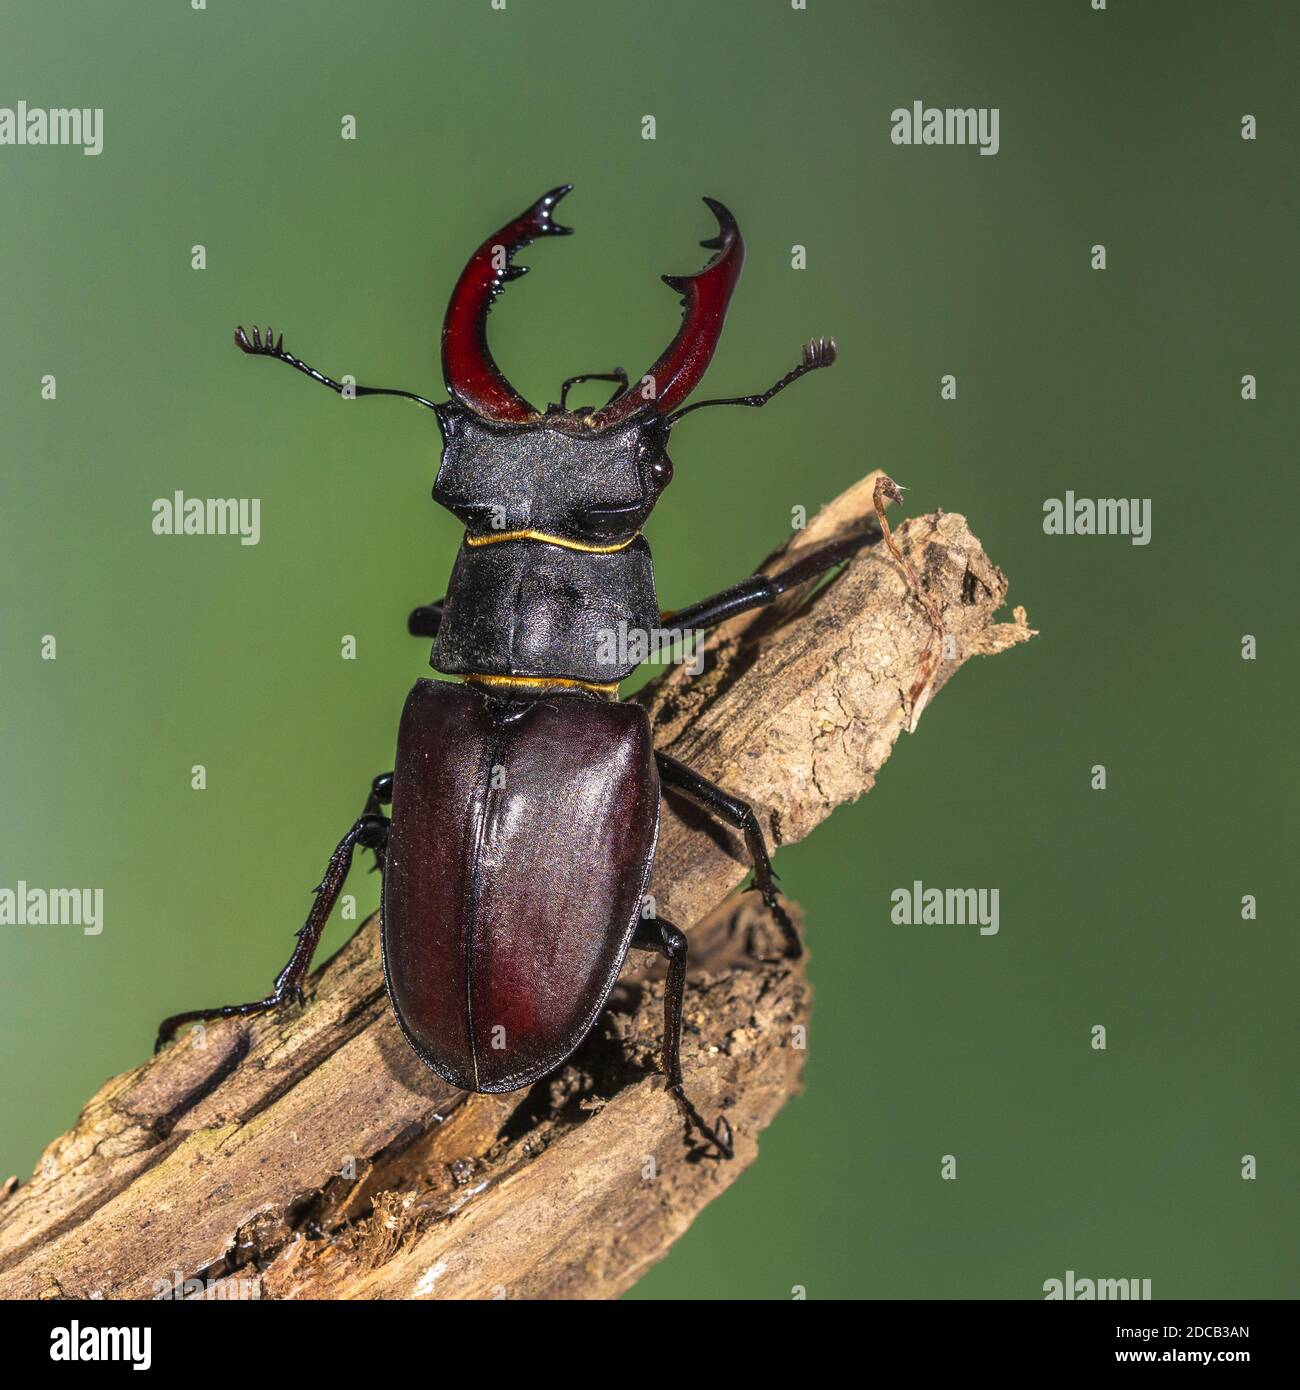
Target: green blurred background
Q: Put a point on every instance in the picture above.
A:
(1121, 907)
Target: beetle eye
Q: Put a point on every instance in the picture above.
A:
(661, 470)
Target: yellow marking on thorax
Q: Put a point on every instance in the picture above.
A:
(565, 682)
(498, 537)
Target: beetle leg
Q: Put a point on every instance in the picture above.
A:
(369, 830)
(425, 621)
(662, 937)
(740, 816)
(618, 375)
(381, 794)
(761, 589)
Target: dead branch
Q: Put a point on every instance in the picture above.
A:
(311, 1155)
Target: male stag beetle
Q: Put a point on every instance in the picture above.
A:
(525, 798)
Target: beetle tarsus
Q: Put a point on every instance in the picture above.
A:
(168, 1027)
(661, 936)
(792, 942)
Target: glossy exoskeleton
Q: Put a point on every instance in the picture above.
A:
(525, 797)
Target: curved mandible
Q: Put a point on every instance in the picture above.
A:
(705, 296)
(472, 377)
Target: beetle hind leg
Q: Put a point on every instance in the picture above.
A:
(664, 939)
(370, 830)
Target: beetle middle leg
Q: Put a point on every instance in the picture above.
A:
(660, 936)
(370, 830)
(740, 816)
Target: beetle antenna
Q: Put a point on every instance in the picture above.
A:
(255, 346)
(817, 353)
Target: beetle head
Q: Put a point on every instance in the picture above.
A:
(586, 475)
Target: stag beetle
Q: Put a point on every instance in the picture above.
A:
(525, 798)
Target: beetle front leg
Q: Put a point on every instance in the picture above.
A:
(740, 816)
(617, 375)
(370, 830)
(761, 589)
(662, 937)
(425, 621)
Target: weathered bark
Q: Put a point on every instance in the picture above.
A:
(312, 1155)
